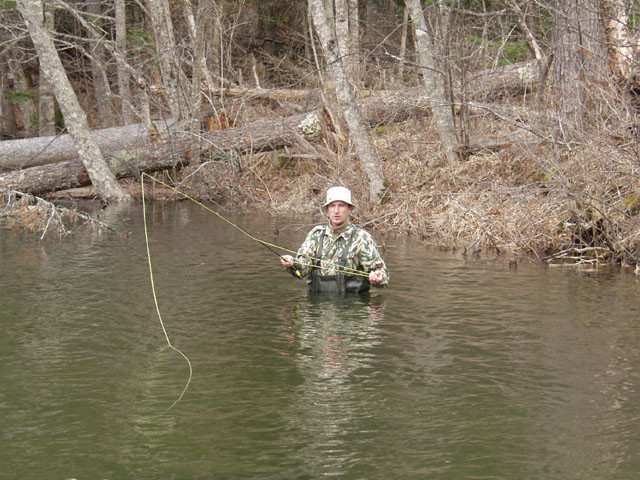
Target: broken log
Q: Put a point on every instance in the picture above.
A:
(506, 80)
(379, 108)
(172, 150)
(164, 154)
(31, 152)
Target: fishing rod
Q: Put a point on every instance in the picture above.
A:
(269, 246)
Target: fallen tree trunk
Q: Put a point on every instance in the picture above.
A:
(173, 150)
(165, 154)
(506, 81)
(31, 152)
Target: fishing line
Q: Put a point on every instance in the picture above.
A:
(155, 300)
(269, 246)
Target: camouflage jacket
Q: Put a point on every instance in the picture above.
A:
(362, 256)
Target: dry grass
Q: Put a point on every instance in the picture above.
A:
(535, 200)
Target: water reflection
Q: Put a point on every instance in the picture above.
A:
(335, 334)
(335, 337)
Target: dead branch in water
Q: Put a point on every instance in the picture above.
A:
(29, 212)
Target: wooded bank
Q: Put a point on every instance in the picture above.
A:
(382, 107)
(48, 164)
(545, 165)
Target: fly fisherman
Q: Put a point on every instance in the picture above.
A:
(338, 257)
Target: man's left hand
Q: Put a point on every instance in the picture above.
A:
(375, 277)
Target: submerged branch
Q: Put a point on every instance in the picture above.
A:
(29, 212)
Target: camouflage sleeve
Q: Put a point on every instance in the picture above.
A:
(308, 249)
(369, 257)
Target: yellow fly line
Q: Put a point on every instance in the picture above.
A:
(268, 245)
(155, 300)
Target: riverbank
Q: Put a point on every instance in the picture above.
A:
(538, 200)
(545, 201)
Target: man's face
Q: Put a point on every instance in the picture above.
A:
(338, 213)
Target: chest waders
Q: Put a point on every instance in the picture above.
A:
(340, 282)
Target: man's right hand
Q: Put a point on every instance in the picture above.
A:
(286, 260)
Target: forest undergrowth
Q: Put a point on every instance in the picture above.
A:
(538, 201)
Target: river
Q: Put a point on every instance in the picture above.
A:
(462, 369)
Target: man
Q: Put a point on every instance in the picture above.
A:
(338, 257)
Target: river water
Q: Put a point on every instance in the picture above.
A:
(462, 369)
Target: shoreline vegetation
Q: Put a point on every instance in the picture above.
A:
(512, 130)
(531, 200)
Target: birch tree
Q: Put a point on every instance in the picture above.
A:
(359, 132)
(617, 39)
(199, 72)
(75, 118)
(342, 34)
(434, 81)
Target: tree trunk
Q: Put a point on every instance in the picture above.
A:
(403, 43)
(25, 104)
(31, 152)
(259, 136)
(124, 89)
(387, 108)
(46, 100)
(199, 72)
(360, 135)
(577, 48)
(8, 128)
(617, 39)
(342, 34)
(101, 88)
(377, 108)
(75, 118)
(441, 106)
(172, 76)
(354, 39)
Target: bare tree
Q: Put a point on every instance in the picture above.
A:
(354, 38)
(101, 86)
(360, 134)
(46, 100)
(617, 39)
(578, 51)
(198, 31)
(342, 34)
(7, 120)
(434, 81)
(124, 89)
(22, 86)
(75, 118)
(172, 75)
(403, 42)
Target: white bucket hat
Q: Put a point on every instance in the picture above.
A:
(335, 194)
